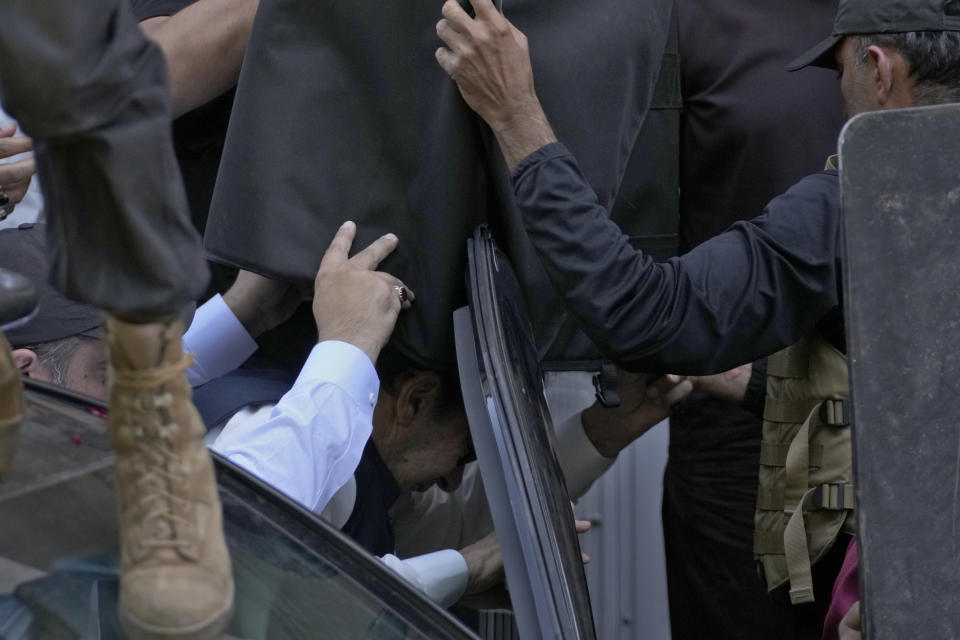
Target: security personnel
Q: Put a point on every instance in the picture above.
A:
(754, 290)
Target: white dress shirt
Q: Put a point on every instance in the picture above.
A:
(309, 444)
(218, 341)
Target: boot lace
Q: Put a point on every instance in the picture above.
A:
(162, 475)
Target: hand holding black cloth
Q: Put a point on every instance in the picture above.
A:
(342, 113)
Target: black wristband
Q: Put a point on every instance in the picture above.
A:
(756, 395)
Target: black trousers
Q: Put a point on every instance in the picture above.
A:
(709, 493)
(92, 91)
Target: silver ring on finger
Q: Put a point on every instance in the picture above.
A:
(4, 198)
(402, 294)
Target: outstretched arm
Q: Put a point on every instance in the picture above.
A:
(504, 98)
(221, 336)
(311, 442)
(214, 31)
(742, 295)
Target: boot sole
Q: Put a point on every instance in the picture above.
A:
(207, 630)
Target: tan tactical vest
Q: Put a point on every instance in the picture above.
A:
(805, 497)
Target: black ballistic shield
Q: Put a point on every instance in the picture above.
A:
(900, 182)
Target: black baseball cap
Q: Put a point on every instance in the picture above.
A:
(859, 17)
(24, 251)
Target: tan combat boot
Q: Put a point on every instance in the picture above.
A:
(11, 405)
(176, 580)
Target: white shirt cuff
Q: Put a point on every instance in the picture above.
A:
(344, 365)
(218, 341)
(441, 575)
(311, 442)
(582, 464)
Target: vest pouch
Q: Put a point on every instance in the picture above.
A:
(805, 495)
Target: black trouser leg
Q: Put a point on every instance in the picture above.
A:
(92, 91)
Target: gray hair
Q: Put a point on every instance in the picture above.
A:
(56, 356)
(932, 57)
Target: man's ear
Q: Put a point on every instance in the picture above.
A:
(29, 365)
(885, 72)
(417, 396)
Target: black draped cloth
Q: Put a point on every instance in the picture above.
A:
(343, 113)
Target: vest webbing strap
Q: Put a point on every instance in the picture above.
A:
(796, 481)
(795, 547)
(835, 412)
(798, 554)
(768, 542)
(769, 498)
(829, 497)
(835, 496)
(792, 411)
(790, 363)
(797, 467)
(774, 454)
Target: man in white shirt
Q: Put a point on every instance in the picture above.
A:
(313, 442)
(309, 445)
(418, 436)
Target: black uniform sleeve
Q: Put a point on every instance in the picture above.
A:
(742, 295)
(143, 9)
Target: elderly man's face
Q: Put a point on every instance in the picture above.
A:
(419, 446)
(434, 453)
(86, 368)
(87, 372)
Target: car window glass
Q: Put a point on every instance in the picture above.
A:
(295, 577)
(513, 436)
